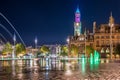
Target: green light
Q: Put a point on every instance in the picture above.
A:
(94, 60)
(96, 56)
(83, 63)
(91, 58)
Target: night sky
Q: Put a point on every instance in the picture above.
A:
(53, 20)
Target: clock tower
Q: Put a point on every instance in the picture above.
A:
(77, 23)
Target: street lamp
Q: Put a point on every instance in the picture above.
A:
(36, 41)
(68, 40)
(111, 47)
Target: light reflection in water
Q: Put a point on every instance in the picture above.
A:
(83, 64)
(69, 66)
(20, 76)
(91, 62)
(6, 63)
(19, 62)
(46, 75)
(107, 61)
(35, 62)
(13, 68)
(68, 71)
(31, 63)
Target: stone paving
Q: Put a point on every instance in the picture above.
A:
(105, 71)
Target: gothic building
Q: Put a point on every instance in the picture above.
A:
(103, 38)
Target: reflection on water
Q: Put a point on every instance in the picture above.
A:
(13, 68)
(44, 67)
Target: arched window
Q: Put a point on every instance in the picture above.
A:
(107, 50)
(102, 50)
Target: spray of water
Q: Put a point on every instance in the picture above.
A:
(12, 27)
(3, 37)
(6, 30)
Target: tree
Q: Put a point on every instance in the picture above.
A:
(74, 50)
(117, 49)
(64, 51)
(7, 49)
(20, 49)
(44, 49)
(89, 50)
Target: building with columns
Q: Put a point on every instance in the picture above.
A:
(103, 38)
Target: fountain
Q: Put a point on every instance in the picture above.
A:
(91, 58)
(96, 56)
(6, 30)
(94, 60)
(13, 28)
(3, 37)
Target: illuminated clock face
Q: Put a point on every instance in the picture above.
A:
(77, 24)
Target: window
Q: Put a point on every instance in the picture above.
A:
(102, 50)
(97, 43)
(107, 37)
(107, 50)
(102, 42)
(113, 36)
(97, 37)
(102, 37)
(91, 44)
(118, 37)
(107, 42)
(81, 38)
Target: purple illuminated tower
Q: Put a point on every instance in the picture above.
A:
(77, 23)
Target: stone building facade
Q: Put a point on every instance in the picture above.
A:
(103, 38)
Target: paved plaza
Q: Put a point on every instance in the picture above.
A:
(103, 71)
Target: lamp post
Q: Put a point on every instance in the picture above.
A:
(68, 40)
(111, 47)
(36, 41)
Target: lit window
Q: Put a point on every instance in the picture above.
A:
(77, 24)
(82, 38)
(102, 50)
(107, 50)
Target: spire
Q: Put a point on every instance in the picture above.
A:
(111, 19)
(14, 37)
(94, 26)
(77, 10)
(77, 15)
(36, 40)
(85, 32)
(111, 14)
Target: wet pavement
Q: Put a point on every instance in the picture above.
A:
(62, 70)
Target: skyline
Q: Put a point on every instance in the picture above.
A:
(53, 21)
